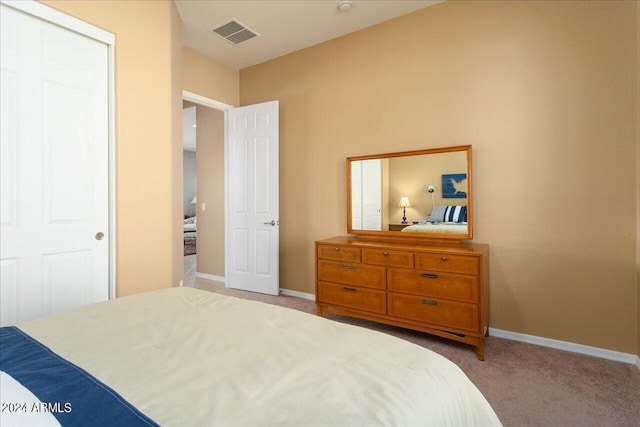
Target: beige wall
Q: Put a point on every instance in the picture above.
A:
(210, 78)
(148, 136)
(210, 182)
(177, 237)
(545, 93)
(638, 166)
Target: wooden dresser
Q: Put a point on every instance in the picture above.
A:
(441, 288)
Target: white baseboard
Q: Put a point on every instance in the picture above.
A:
(291, 293)
(567, 346)
(210, 277)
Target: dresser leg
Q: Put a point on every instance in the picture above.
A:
(480, 350)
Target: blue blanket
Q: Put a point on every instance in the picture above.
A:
(71, 394)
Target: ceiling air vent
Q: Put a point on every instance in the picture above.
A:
(234, 32)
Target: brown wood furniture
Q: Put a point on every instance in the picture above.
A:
(397, 227)
(441, 288)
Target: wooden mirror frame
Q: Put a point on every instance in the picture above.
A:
(411, 235)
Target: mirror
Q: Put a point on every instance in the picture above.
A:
(418, 194)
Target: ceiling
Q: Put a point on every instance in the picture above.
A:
(282, 26)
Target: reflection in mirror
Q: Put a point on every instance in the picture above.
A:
(368, 194)
(424, 192)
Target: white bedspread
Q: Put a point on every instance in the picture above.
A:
(439, 227)
(186, 357)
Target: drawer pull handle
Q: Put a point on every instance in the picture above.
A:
(385, 253)
(349, 266)
(350, 289)
(337, 249)
(429, 275)
(444, 258)
(429, 302)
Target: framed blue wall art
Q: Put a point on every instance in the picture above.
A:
(454, 186)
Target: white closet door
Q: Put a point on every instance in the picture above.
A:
(54, 185)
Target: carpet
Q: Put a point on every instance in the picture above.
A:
(189, 245)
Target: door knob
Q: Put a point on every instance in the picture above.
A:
(271, 223)
(99, 236)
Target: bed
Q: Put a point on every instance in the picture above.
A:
(189, 224)
(185, 357)
(438, 227)
(451, 219)
(189, 235)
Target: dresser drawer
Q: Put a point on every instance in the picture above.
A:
(444, 262)
(339, 253)
(451, 314)
(385, 257)
(370, 276)
(352, 297)
(460, 287)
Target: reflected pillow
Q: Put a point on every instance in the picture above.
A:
(447, 214)
(455, 214)
(437, 215)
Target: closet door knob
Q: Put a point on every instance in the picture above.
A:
(99, 236)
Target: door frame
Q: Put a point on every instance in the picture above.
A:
(221, 106)
(71, 23)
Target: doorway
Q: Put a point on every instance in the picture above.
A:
(203, 197)
(189, 199)
(248, 243)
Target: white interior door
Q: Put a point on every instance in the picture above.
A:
(55, 168)
(252, 205)
(372, 194)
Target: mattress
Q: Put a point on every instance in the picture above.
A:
(438, 227)
(185, 357)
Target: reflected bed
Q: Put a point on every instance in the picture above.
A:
(185, 357)
(438, 227)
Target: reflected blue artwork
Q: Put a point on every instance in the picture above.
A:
(454, 186)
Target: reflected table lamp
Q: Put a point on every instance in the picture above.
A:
(404, 202)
